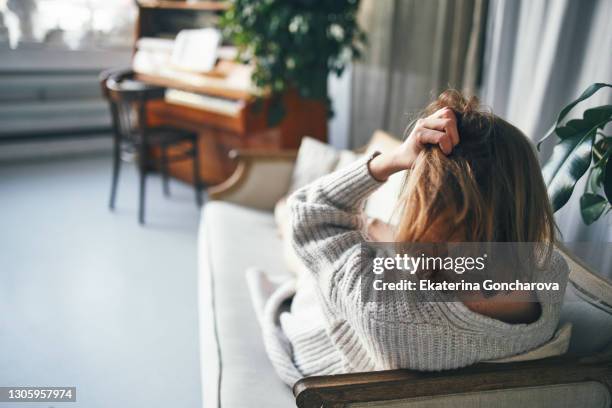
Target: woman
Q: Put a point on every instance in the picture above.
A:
(474, 178)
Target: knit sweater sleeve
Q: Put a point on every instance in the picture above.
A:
(328, 230)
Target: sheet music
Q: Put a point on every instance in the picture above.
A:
(196, 50)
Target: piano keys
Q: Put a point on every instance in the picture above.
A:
(229, 107)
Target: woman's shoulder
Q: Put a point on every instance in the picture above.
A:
(557, 270)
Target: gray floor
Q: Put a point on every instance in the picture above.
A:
(88, 298)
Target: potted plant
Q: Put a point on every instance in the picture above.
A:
(582, 147)
(294, 44)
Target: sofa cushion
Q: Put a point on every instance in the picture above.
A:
(587, 306)
(593, 287)
(315, 159)
(234, 364)
(235, 368)
(592, 326)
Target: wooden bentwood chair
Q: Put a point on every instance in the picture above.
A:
(134, 138)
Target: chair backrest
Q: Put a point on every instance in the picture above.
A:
(127, 100)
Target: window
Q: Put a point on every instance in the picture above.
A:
(67, 24)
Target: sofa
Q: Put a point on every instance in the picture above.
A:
(238, 231)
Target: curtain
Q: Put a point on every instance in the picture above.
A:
(415, 50)
(539, 56)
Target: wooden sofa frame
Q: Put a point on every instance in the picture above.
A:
(335, 391)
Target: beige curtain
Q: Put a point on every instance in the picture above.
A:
(541, 55)
(416, 49)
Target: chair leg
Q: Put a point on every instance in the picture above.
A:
(115, 176)
(197, 183)
(142, 168)
(141, 196)
(164, 170)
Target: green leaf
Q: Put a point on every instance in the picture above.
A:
(600, 114)
(294, 43)
(586, 94)
(608, 180)
(595, 179)
(276, 111)
(591, 207)
(570, 159)
(571, 128)
(594, 117)
(602, 149)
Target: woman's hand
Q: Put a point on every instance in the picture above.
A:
(440, 129)
(380, 231)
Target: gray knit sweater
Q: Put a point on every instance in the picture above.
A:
(329, 330)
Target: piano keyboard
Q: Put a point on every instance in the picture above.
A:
(199, 101)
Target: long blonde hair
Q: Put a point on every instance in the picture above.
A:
(489, 189)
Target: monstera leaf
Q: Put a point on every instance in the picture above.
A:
(607, 180)
(591, 207)
(572, 156)
(595, 178)
(585, 95)
(570, 159)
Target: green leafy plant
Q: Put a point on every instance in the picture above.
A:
(582, 147)
(294, 43)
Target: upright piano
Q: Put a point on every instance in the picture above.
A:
(222, 105)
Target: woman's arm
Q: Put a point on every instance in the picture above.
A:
(438, 129)
(327, 218)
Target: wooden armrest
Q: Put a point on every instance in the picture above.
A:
(261, 178)
(339, 390)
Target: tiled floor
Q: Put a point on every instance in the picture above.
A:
(89, 298)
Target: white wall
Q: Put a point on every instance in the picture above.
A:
(340, 93)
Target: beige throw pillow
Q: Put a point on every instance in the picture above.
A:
(314, 159)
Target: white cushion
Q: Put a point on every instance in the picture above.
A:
(592, 287)
(314, 159)
(235, 368)
(587, 306)
(346, 157)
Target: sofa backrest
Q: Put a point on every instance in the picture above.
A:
(587, 306)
